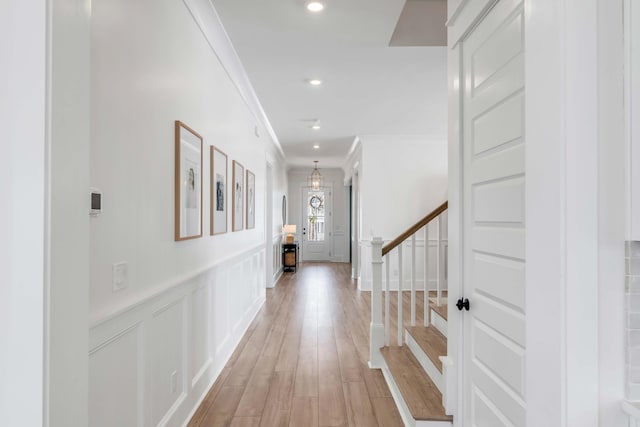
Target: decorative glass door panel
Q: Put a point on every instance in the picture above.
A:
(316, 224)
(315, 216)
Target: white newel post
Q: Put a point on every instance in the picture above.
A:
(377, 328)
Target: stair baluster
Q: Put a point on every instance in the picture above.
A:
(426, 275)
(438, 249)
(400, 288)
(387, 303)
(377, 328)
(413, 279)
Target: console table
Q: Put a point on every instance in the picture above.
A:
(289, 256)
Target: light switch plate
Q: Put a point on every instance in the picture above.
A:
(174, 382)
(119, 274)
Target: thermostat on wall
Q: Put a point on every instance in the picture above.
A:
(95, 199)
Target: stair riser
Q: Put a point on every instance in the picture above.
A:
(425, 362)
(439, 322)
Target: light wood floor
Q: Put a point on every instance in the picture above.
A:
(303, 361)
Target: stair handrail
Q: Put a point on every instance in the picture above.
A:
(414, 228)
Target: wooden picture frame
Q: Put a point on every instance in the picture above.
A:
(188, 182)
(251, 200)
(219, 192)
(238, 197)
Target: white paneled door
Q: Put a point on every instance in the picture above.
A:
(492, 66)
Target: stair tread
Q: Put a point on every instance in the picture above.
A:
(431, 341)
(420, 393)
(442, 310)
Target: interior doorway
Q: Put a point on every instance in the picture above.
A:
(316, 224)
(355, 226)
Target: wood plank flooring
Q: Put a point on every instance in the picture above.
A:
(303, 361)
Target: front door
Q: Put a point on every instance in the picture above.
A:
(493, 147)
(316, 224)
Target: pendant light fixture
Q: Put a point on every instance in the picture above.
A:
(315, 180)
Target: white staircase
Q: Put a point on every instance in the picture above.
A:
(415, 367)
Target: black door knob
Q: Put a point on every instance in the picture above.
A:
(463, 304)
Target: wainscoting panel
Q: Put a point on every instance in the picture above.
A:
(277, 258)
(166, 362)
(200, 335)
(340, 245)
(632, 295)
(115, 391)
(153, 363)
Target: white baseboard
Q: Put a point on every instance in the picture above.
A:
(276, 277)
(449, 394)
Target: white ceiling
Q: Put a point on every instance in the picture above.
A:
(368, 87)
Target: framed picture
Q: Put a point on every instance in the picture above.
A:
(188, 183)
(251, 200)
(238, 196)
(219, 199)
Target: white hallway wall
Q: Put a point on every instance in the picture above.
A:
(157, 345)
(22, 216)
(402, 179)
(577, 217)
(339, 242)
(44, 226)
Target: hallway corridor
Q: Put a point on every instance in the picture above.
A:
(303, 361)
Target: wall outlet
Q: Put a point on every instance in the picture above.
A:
(173, 382)
(119, 276)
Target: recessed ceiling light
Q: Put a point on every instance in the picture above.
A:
(315, 127)
(314, 5)
(315, 82)
(316, 146)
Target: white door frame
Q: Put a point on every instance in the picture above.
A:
(328, 220)
(460, 237)
(24, 213)
(355, 225)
